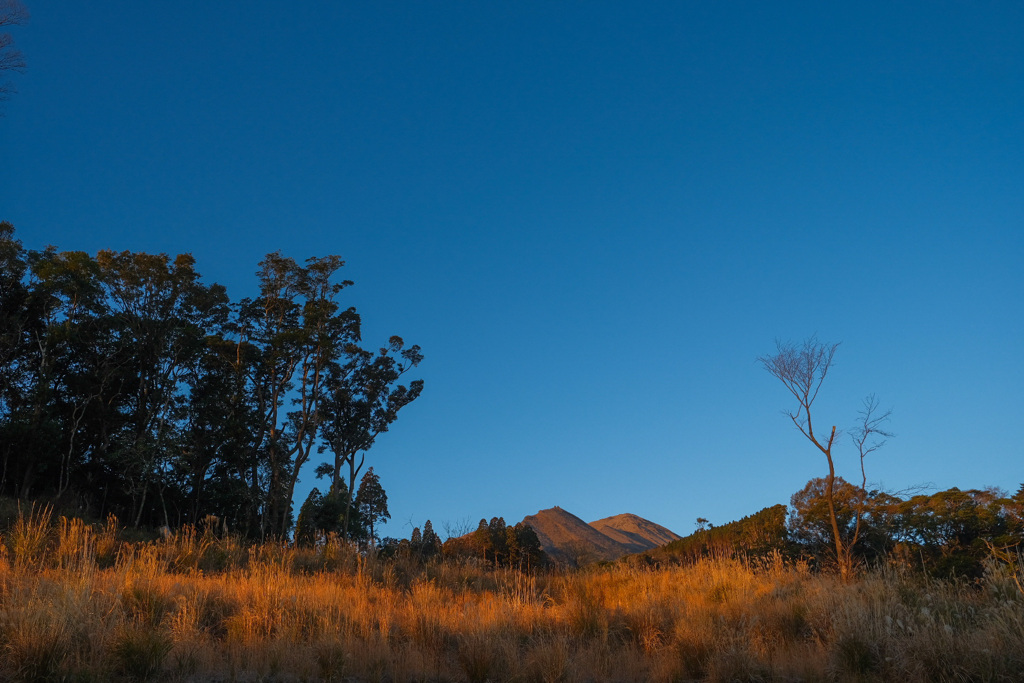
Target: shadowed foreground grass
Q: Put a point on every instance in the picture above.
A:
(77, 605)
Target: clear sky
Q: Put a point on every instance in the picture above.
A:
(592, 216)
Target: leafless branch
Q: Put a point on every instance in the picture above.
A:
(802, 369)
(868, 435)
(12, 12)
(10, 59)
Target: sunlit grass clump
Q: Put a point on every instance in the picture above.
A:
(79, 605)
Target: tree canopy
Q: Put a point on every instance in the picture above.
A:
(130, 385)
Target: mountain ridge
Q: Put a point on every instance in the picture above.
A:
(567, 538)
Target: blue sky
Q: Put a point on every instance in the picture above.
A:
(593, 217)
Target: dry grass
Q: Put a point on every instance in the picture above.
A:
(75, 605)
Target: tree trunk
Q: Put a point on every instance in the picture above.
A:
(841, 553)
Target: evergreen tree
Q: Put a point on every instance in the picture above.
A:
(431, 541)
(371, 504)
(416, 541)
(529, 553)
(309, 513)
(512, 546)
(499, 540)
(483, 544)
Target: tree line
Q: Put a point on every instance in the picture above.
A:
(944, 533)
(131, 387)
(834, 522)
(493, 543)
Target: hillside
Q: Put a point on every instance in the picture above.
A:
(758, 534)
(567, 538)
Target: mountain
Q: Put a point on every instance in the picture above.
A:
(567, 538)
(634, 532)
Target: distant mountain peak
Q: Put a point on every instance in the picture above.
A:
(567, 538)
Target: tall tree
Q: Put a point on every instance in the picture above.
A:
(499, 539)
(802, 368)
(269, 323)
(70, 358)
(216, 458)
(161, 314)
(362, 399)
(14, 347)
(126, 380)
(482, 541)
(13, 296)
(372, 504)
(431, 541)
(301, 331)
(325, 331)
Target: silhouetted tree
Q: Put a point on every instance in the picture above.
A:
(218, 462)
(499, 540)
(523, 547)
(161, 313)
(431, 541)
(129, 383)
(362, 399)
(44, 362)
(13, 308)
(308, 522)
(372, 503)
(482, 543)
(301, 332)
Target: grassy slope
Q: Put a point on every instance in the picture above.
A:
(201, 608)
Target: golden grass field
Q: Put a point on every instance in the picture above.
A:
(78, 605)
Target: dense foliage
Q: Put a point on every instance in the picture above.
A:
(499, 545)
(133, 388)
(757, 534)
(946, 533)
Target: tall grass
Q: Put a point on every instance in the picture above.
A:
(78, 605)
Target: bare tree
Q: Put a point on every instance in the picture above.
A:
(802, 368)
(12, 13)
(868, 436)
